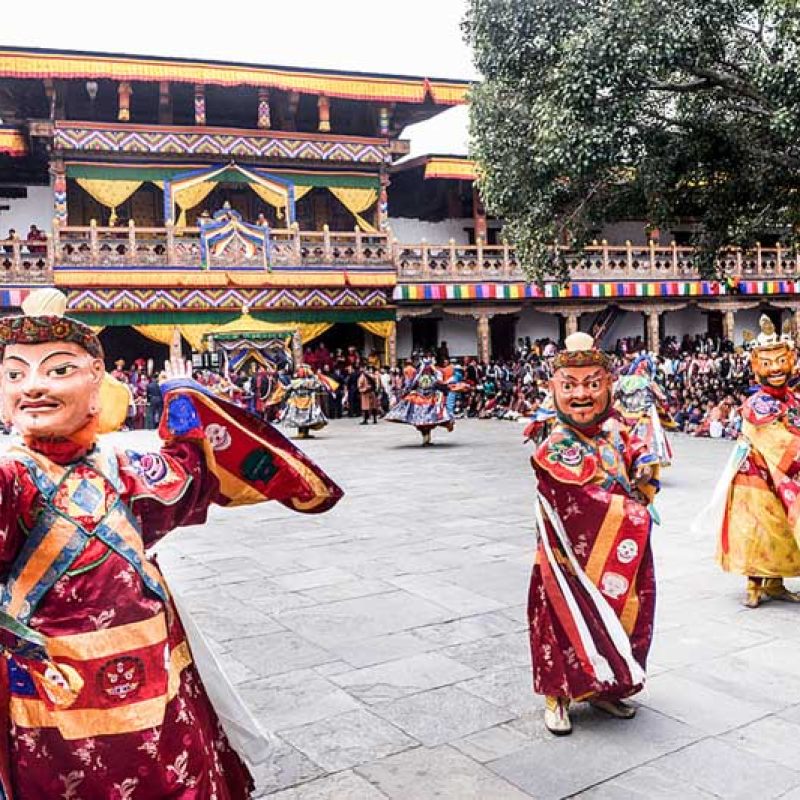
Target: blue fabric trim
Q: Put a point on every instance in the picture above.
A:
(20, 682)
(182, 416)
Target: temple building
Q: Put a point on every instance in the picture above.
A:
(170, 195)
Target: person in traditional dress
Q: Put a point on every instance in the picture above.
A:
(303, 410)
(642, 406)
(592, 591)
(102, 691)
(368, 389)
(424, 403)
(759, 529)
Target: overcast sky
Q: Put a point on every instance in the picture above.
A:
(406, 37)
(414, 37)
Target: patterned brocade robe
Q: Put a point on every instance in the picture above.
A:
(760, 533)
(591, 601)
(100, 696)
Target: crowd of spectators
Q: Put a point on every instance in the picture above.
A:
(704, 381)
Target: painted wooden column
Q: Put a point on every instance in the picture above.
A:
(59, 178)
(796, 321)
(324, 108)
(199, 104)
(164, 104)
(479, 215)
(653, 329)
(124, 92)
(571, 319)
(391, 347)
(728, 324)
(264, 115)
(383, 201)
(484, 338)
(384, 120)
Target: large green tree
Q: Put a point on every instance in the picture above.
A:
(662, 110)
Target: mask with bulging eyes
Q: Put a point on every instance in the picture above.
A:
(773, 366)
(582, 395)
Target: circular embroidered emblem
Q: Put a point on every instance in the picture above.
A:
(154, 467)
(218, 436)
(627, 550)
(613, 585)
(121, 678)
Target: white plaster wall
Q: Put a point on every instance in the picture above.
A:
(537, 325)
(629, 324)
(413, 231)
(36, 209)
(690, 320)
(461, 335)
(404, 340)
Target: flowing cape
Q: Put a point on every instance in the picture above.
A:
(251, 459)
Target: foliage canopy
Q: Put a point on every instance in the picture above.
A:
(664, 110)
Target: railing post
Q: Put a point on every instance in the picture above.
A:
(605, 253)
(652, 247)
(479, 245)
(51, 253)
(55, 245)
(394, 254)
(423, 255)
(359, 246)
(170, 226)
(506, 259)
(778, 261)
(48, 257)
(628, 257)
(738, 272)
(326, 242)
(759, 265)
(131, 254)
(94, 246)
(452, 267)
(674, 248)
(297, 245)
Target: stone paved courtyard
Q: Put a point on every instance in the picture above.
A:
(385, 642)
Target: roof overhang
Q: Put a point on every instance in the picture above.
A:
(37, 63)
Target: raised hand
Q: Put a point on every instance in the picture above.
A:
(177, 369)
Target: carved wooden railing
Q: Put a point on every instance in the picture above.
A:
(26, 262)
(454, 262)
(173, 246)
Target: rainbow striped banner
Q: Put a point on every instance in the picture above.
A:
(617, 289)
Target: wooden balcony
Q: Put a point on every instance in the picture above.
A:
(25, 263)
(454, 263)
(180, 250)
(80, 247)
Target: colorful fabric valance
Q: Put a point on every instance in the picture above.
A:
(311, 330)
(450, 168)
(157, 174)
(109, 193)
(356, 201)
(184, 189)
(157, 333)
